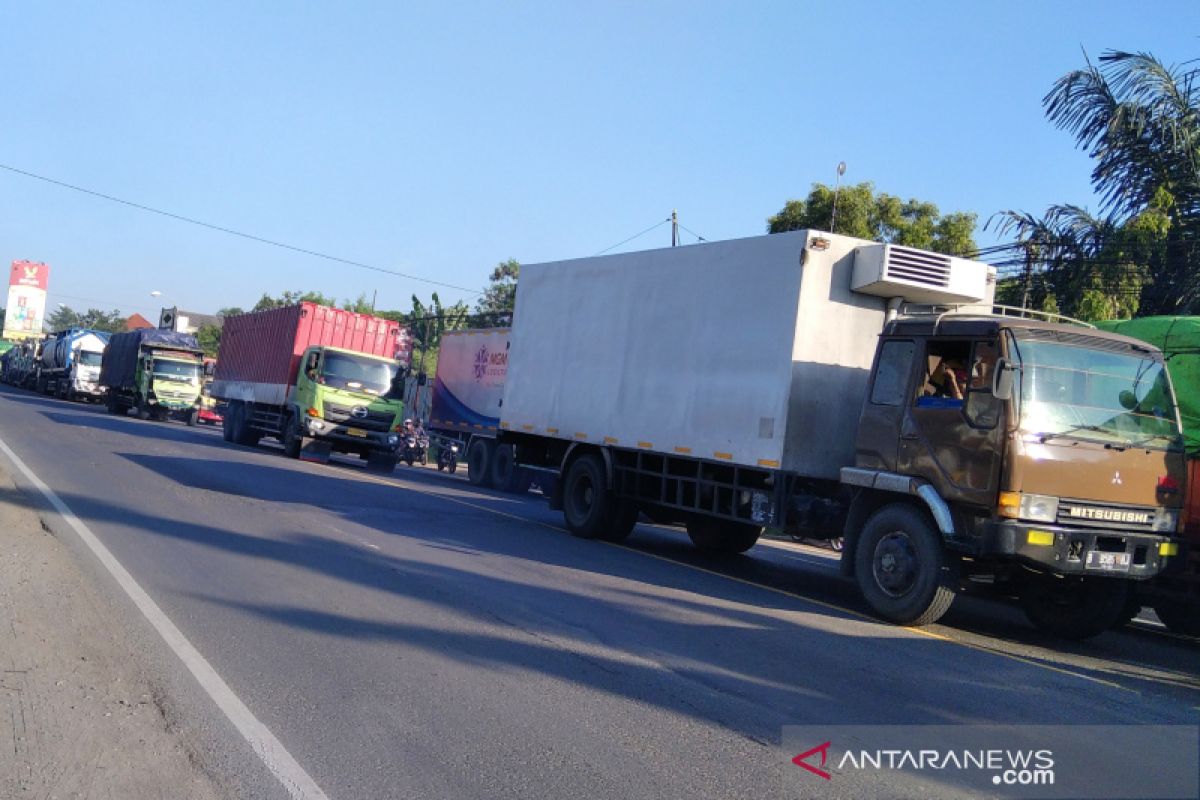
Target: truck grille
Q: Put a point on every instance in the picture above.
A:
(374, 421)
(1094, 515)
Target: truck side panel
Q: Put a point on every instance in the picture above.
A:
(698, 351)
(469, 386)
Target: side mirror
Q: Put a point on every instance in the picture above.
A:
(1127, 399)
(1002, 380)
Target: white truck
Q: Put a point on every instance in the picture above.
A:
(69, 364)
(782, 381)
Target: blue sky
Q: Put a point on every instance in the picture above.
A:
(438, 140)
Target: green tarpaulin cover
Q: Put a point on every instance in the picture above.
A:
(1179, 339)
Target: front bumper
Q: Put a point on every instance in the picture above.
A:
(1071, 551)
(341, 434)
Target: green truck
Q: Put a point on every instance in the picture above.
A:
(1175, 595)
(157, 373)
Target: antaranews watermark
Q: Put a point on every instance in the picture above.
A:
(1005, 761)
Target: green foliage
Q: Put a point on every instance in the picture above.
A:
(878, 217)
(231, 311)
(359, 305)
(499, 297)
(63, 317)
(291, 298)
(1, 319)
(427, 323)
(1140, 122)
(209, 337)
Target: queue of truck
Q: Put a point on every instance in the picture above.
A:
(814, 384)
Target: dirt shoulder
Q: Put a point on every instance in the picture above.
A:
(78, 716)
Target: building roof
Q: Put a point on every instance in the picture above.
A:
(137, 321)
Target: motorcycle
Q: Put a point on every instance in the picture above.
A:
(448, 457)
(414, 449)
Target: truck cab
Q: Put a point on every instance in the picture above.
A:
(349, 400)
(169, 380)
(1048, 456)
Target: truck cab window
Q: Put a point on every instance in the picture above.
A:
(891, 376)
(946, 374)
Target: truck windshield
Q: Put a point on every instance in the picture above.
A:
(89, 359)
(342, 371)
(1118, 397)
(176, 371)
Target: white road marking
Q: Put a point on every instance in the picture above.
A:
(268, 748)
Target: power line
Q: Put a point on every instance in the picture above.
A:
(232, 232)
(631, 238)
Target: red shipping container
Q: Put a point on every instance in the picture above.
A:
(264, 347)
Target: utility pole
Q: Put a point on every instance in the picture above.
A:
(1027, 281)
(841, 170)
(374, 294)
(674, 227)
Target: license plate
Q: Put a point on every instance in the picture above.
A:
(1108, 562)
(356, 432)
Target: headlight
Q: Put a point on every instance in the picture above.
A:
(1166, 520)
(1035, 507)
(316, 425)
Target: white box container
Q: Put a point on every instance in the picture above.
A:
(753, 351)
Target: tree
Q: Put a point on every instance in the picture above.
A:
(290, 298)
(499, 297)
(427, 323)
(359, 305)
(64, 317)
(1, 319)
(209, 339)
(878, 218)
(230, 311)
(1139, 120)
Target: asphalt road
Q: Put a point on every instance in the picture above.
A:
(410, 636)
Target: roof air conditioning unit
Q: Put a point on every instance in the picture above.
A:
(919, 276)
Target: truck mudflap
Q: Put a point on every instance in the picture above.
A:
(1075, 551)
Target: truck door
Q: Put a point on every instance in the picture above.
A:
(952, 434)
(877, 442)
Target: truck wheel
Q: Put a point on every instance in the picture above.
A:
(590, 510)
(382, 462)
(901, 568)
(227, 421)
(292, 438)
(479, 462)
(722, 537)
(506, 475)
(140, 407)
(1073, 607)
(113, 404)
(193, 418)
(1179, 618)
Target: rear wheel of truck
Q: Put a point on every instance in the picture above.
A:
(1072, 607)
(902, 569)
(479, 462)
(505, 474)
(113, 404)
(1180, 618)
(227, 420)
(590, 510)
(722, 536)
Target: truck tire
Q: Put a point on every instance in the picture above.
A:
(505, 474)
(1180, 618)
(721, 536)
(292, 438)
(227, 420)
(479, 462)
(113, 404)
(244, 434)
(193, 417)
(1074, 607)
(590, 510)
(378, 461)
(902, 569)
(141, 409)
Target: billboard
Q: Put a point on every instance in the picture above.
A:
(26, 307)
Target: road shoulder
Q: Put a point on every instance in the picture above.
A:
(87, 719)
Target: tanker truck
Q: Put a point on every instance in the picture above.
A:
(69, 365)
(828, 386)
(318, 379)
(154, 372)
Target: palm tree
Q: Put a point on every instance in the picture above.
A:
(1140, 120)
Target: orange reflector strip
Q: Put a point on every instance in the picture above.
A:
(724, 456)
(609, 440)
(684, 450)
(766, 462)
(579, 435)
(646, 445)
